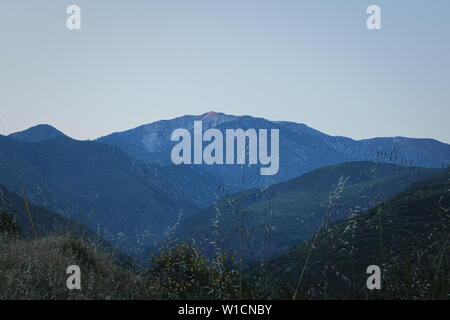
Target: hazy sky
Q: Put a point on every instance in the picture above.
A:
(314, 62)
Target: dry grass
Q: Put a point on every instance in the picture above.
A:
(36, 269)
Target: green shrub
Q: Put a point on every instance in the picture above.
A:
(180, 271)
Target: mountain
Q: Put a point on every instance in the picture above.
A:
(266, 222)
(96, 185)
(406, 236)
(299, 152)
(302, 149)
(202, 193)
(37, 133)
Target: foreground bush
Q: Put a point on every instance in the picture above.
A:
(181, 271)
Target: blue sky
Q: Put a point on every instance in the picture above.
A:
(314, 62)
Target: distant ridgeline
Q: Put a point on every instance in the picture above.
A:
(301, 148)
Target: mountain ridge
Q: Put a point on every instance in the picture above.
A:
(302, 148)
(38, 133)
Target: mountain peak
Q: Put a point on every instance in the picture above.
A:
(212, 114)
(41, 132)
